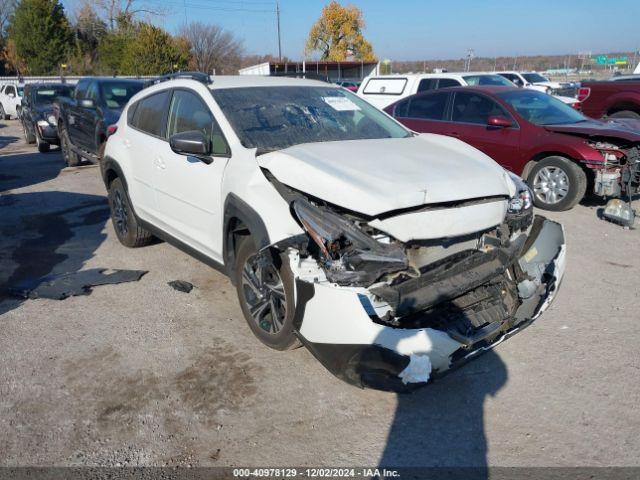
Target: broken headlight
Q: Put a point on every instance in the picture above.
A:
(347, 254)
(523, 199)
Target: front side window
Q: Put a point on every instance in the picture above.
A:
(149, 115)
(81, 89)
(448, 82)
(428, 107)
(92, 92)
(47, 95)
(512, 78)
(116, 94)
(474, 108)
(534, 78)
(273, 118)
(427, 84)
(495, 80)
(188, 112)
(540, 108)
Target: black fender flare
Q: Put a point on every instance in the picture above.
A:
(108, 165)
(236, 208)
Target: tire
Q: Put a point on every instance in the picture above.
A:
(279, 335)
(625, 114)
(28, 136)
(43, 147)
(71, 158)
(3, 114)
(557, 175)
(125, 223)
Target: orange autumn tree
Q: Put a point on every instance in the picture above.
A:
(337, 34)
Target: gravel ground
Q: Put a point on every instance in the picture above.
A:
(141, 374)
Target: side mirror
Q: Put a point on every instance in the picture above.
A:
(498, 121)
(87, 103)
(191, 142)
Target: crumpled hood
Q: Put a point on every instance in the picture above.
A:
(625, 129)
(377, 176)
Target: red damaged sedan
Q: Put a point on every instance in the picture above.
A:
(556, 149)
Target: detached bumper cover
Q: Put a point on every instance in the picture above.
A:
(341, 332)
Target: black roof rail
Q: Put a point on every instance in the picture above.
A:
(197, 76)
(307, 75)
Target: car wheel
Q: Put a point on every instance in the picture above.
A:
(625, 114)
(558, 183)
(125, 223)
(43, 147)
(28, 136)
(266, 292)
(3, 115)
(71, 158)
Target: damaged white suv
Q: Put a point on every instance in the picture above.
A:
(391, 256)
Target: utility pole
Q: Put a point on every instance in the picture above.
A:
(278, 20)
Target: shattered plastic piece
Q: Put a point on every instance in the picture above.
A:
(181, 286)
(61, 286)
(418, 370)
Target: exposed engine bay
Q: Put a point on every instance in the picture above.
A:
(475, 288)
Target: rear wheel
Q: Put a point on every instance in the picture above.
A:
(558, 183)
(266, 292)
(125, 223)
(625, 114)
(3, 114)
(71, 158)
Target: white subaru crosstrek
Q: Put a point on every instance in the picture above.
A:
(391, 256)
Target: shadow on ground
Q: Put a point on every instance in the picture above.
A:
(46, 233)
(26, 169)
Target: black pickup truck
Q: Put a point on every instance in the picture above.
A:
(84, 117)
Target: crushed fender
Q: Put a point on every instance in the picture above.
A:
(61, 286)
(181, 286)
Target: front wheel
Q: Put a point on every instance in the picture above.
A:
(265, 289)
(71, 158)
(43, 147)
(558, 183)
(3, 114)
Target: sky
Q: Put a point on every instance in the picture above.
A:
(427, 29)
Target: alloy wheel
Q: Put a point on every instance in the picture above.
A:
(264, 294)
(120, 214)
(551, 185)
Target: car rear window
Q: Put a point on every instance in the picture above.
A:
(150, 113)
(385, 86)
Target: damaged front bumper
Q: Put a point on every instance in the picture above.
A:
(448, 316)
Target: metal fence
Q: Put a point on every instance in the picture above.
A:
(72, 79)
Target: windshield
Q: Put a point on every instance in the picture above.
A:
(540, 108)
(46, 95)
(534, 78)
(117, 94)
(272, 118)
(497, 80)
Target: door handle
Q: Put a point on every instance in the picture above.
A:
(160, 165)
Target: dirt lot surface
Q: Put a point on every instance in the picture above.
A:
(141, 374)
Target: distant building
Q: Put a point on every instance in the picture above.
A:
(334, 71)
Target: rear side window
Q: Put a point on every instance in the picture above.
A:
(401, 109)
(474, 108)
(131, 111)
(385, 86)
(428, 107)
(150, 113)
(81, 89)
(427, 84)
(188, 112)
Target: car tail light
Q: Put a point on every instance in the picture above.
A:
(111, 129)
(583, 93)
(577, 105)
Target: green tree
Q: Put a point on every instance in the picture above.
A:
(154, 52)
(41, 34)
(337, 34)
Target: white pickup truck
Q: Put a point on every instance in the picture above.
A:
(10, 99)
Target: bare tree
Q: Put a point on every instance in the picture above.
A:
(7, 7)
(111, 10)
(212, 48)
